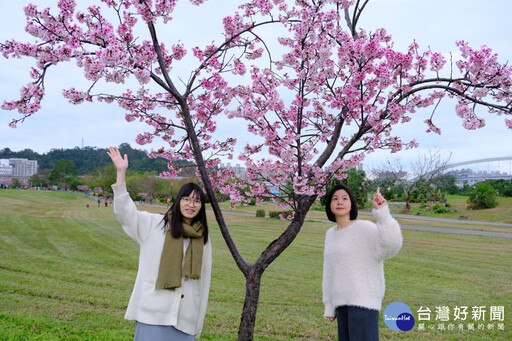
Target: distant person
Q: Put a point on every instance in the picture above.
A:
(170, 294)
(353, 273)
(143, 200)
(168, 202)
(99, 202)
(106, 201)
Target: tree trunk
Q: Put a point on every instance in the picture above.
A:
(254, 272)
(408, 202)
(252, 293)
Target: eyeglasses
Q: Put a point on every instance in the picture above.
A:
(195, 202)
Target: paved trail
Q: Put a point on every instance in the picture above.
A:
(428, 228)
(419, 227)
(453, 221)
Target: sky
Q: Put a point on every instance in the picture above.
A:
(434, 24)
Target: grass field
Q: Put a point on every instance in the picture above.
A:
(67, 270)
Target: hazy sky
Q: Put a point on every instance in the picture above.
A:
(432, 23)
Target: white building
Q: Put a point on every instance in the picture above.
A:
(5, 168)
(21, 169)
(238, 170)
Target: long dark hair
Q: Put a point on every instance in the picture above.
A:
(176, 223)
(353, 203)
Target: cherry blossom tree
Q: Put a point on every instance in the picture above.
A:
(318, 93)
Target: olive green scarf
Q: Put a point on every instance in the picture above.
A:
(170, 270)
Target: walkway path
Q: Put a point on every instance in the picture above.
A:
(416, 227)
(426, 228)
(453, 221)
(459, 231)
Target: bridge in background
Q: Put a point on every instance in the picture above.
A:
(474, 177)
(492, 159)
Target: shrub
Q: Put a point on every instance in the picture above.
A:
(276, 214)
(439, 208)
(483, 196)
(260, 213)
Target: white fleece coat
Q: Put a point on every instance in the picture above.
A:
(354, 257)
(183, 308)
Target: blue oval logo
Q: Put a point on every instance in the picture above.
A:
(398, 316)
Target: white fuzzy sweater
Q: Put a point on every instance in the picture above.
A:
(354, 257)
(185, 307)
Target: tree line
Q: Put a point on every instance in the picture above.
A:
(90, 170)
(88, 159)
(422, 190)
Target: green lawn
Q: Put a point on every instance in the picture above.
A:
(67, 270)
(501, 213)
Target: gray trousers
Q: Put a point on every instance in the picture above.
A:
(148, 332)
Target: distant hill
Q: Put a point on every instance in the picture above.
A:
(88, 159)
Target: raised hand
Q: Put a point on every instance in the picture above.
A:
(378, 200)
(120, 162)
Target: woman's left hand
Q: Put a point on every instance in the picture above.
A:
(378, 200)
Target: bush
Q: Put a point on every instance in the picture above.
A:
(276, 214)
(483, 196)
(439, 208)
(260, 213)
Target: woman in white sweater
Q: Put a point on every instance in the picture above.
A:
(353, 274)
(170, 294)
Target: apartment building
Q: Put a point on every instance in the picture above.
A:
(21, 169)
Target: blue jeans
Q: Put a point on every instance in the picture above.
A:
(357, 324)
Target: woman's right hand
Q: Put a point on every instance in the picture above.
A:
(330, 318)
(379, 201)
(120, 162)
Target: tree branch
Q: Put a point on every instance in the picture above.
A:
(171, 88)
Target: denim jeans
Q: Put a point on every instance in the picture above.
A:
(357, 324)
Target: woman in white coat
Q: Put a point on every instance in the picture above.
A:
(354, 254)
(170, 294)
